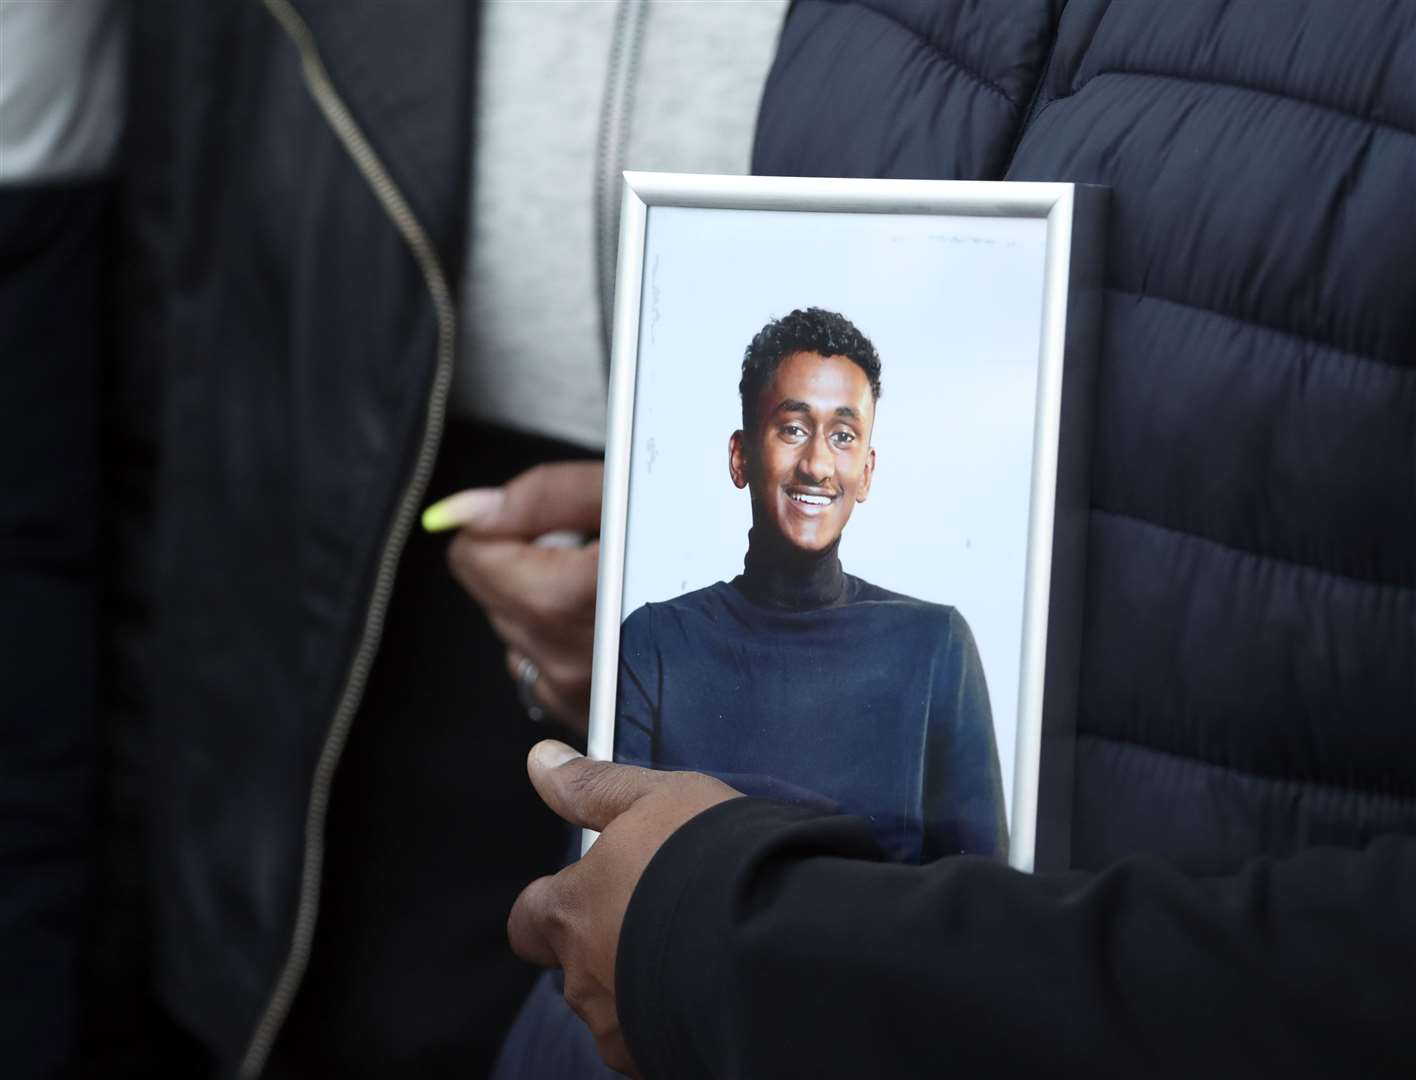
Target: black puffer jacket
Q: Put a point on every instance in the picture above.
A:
(1248, 682)
(1248, 685)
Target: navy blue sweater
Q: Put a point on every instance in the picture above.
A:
(870, 701)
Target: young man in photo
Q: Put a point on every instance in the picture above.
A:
(796, 679)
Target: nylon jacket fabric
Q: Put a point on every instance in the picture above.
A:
(283, 321)
(767, 941)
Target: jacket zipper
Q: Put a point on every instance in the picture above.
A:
(347, 131)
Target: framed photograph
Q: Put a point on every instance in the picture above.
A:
(843, 538)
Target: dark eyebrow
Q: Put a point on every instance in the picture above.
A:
(792, 405)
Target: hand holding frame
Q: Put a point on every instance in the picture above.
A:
(538, 591)
(573, 920)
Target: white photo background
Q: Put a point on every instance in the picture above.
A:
(954, 306)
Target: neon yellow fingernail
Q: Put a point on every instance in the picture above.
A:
(476, 506)
(437, 519)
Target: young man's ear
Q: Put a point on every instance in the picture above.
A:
(863, 492)
(737, 459)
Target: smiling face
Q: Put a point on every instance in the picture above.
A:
(808, 459)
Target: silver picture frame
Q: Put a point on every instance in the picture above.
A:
(1058, 503)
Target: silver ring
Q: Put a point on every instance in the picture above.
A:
(527, 675)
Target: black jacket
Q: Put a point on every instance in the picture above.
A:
(1293, 967)
(1247, 688)
(295, 188)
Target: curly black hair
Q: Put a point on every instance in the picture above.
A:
(811, 330)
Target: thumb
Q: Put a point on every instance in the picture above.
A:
(584, 792)
(563, 495)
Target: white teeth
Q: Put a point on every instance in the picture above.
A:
(813, 500)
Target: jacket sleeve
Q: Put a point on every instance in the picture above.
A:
(766, 941)
(963, 787)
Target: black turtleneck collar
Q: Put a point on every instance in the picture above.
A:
(778, 575)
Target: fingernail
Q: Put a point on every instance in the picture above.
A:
(550, 754)
(464, 508)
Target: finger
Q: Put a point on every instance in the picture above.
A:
(584, 792)
(564, 652)
(532, 925)
(545, 499)
(546, 693)
(482, 566)
(596, 1007)
(546, 584)
(499, 573)
(550, 692)
(615, 1054)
